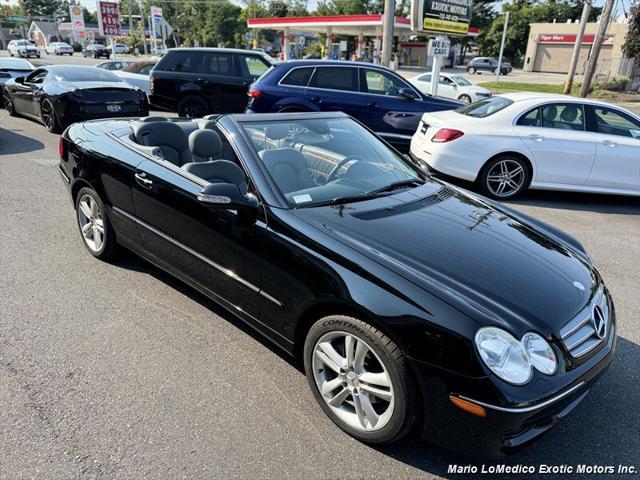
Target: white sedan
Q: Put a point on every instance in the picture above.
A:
(451, 85)
(508, 143)
(59, 48)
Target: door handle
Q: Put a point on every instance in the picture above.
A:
(143, 181)
(609, 143)
(316, 100)
(536, 137)
(372, 104)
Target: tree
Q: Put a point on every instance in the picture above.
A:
(631, 46)
(41, 8)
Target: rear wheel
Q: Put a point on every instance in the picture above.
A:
(192, 106)
(49, 117)
(465, 98)
(95, 229)
(360, 378)
(471, 70)
(505, 177)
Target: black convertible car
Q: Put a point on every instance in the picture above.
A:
(59, 95)
(412, 304)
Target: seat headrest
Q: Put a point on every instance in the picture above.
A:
(549, 113)
(152, 119)
(277, 131)
(570, 113)
(159, 134)
(205, 144)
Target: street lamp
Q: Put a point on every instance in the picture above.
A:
(504, 35)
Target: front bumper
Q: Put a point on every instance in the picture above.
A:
(509, 425)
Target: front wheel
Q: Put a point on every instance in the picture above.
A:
(360, 378)
(471, 70)
(465, 98)
(8, 104)
(95, 229)
(192, 106)
(504, 177)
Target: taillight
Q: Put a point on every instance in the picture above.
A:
(446, 135)
(254, 92)
(61, 148)
(150, 84)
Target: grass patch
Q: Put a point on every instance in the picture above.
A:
(505, 87)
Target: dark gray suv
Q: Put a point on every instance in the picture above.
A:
(488, 64)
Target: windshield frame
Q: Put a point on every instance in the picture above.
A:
(239, 119)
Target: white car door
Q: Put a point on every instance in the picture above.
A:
(562, 150)
(446, 88)
(617, 137)
(423, 82)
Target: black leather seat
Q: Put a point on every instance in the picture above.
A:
(169, 137)
(289, 169)
(219, 171)
(205, 145)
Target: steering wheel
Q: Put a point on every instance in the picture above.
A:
(334, 172)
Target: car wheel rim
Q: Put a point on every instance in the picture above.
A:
(505, 178)
(91, 224)
(353, 381)
(8, 105)
(193, 110)
(47, 115)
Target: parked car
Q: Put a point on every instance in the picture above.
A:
(114, 64)
(96, 50)
(119, 48)
(198, 81)
(516, 141)
(59, 48)
(137, 74)
(451, 85)
(13, 68)
(376, 96)
(58, 95)
(313, 231)
(23, 48)
(486, 64)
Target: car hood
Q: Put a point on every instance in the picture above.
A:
(484, 261)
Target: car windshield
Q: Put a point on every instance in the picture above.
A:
(328, 161)
(15, 64)
(484, 108)
(460, 80)
(84, 74)
(25, 42)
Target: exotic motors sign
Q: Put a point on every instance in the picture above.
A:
(109, 19)
(447, 16)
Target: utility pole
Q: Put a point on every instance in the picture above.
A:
(595, 50)
(504, 36)
(387, 30)
(144, 37)
(568, 84)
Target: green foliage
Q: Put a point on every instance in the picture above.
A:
(631, 46)
(521, 14)
(346, 7)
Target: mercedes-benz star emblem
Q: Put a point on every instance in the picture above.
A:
(599, 322)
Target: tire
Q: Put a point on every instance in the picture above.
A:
(394, 411)
(192, 106)
(471, 70)
(496, 172)
(465, 98)
(8, 104)
(49, 117)
(101, 244)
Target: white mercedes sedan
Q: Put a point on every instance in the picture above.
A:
(452, 85)
(508, 143)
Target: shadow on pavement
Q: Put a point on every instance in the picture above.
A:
(602, 430)
(13, 143)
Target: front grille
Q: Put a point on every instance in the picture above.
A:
(589, 328)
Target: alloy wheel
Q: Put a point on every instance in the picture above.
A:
(353, 381)
(506, 178)
(48, 116)
(8, 104)
(91, 223)
(193, 109)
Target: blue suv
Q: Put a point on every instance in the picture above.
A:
(374, 95)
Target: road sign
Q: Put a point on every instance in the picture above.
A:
(446, 16)
(439, 48)
(77, 22)
(109, 19)
(18, 19)
(248, 36)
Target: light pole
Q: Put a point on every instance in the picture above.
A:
(576, 47)
(504, 36)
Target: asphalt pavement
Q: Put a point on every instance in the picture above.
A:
(120, 371)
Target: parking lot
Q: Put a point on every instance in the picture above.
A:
(120, 371)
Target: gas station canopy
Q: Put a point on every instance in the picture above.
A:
(369, 25)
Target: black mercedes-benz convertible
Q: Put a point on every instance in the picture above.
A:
(413, 305)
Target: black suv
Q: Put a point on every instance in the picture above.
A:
(487, 64)
(96, 50)
(197, 81)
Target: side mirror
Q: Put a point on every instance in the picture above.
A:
(19, 80)
(227, 196)
(407, 93)
(455, 85)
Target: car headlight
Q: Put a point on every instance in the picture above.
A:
(541, 355)
(512, 360)
(504, 355)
